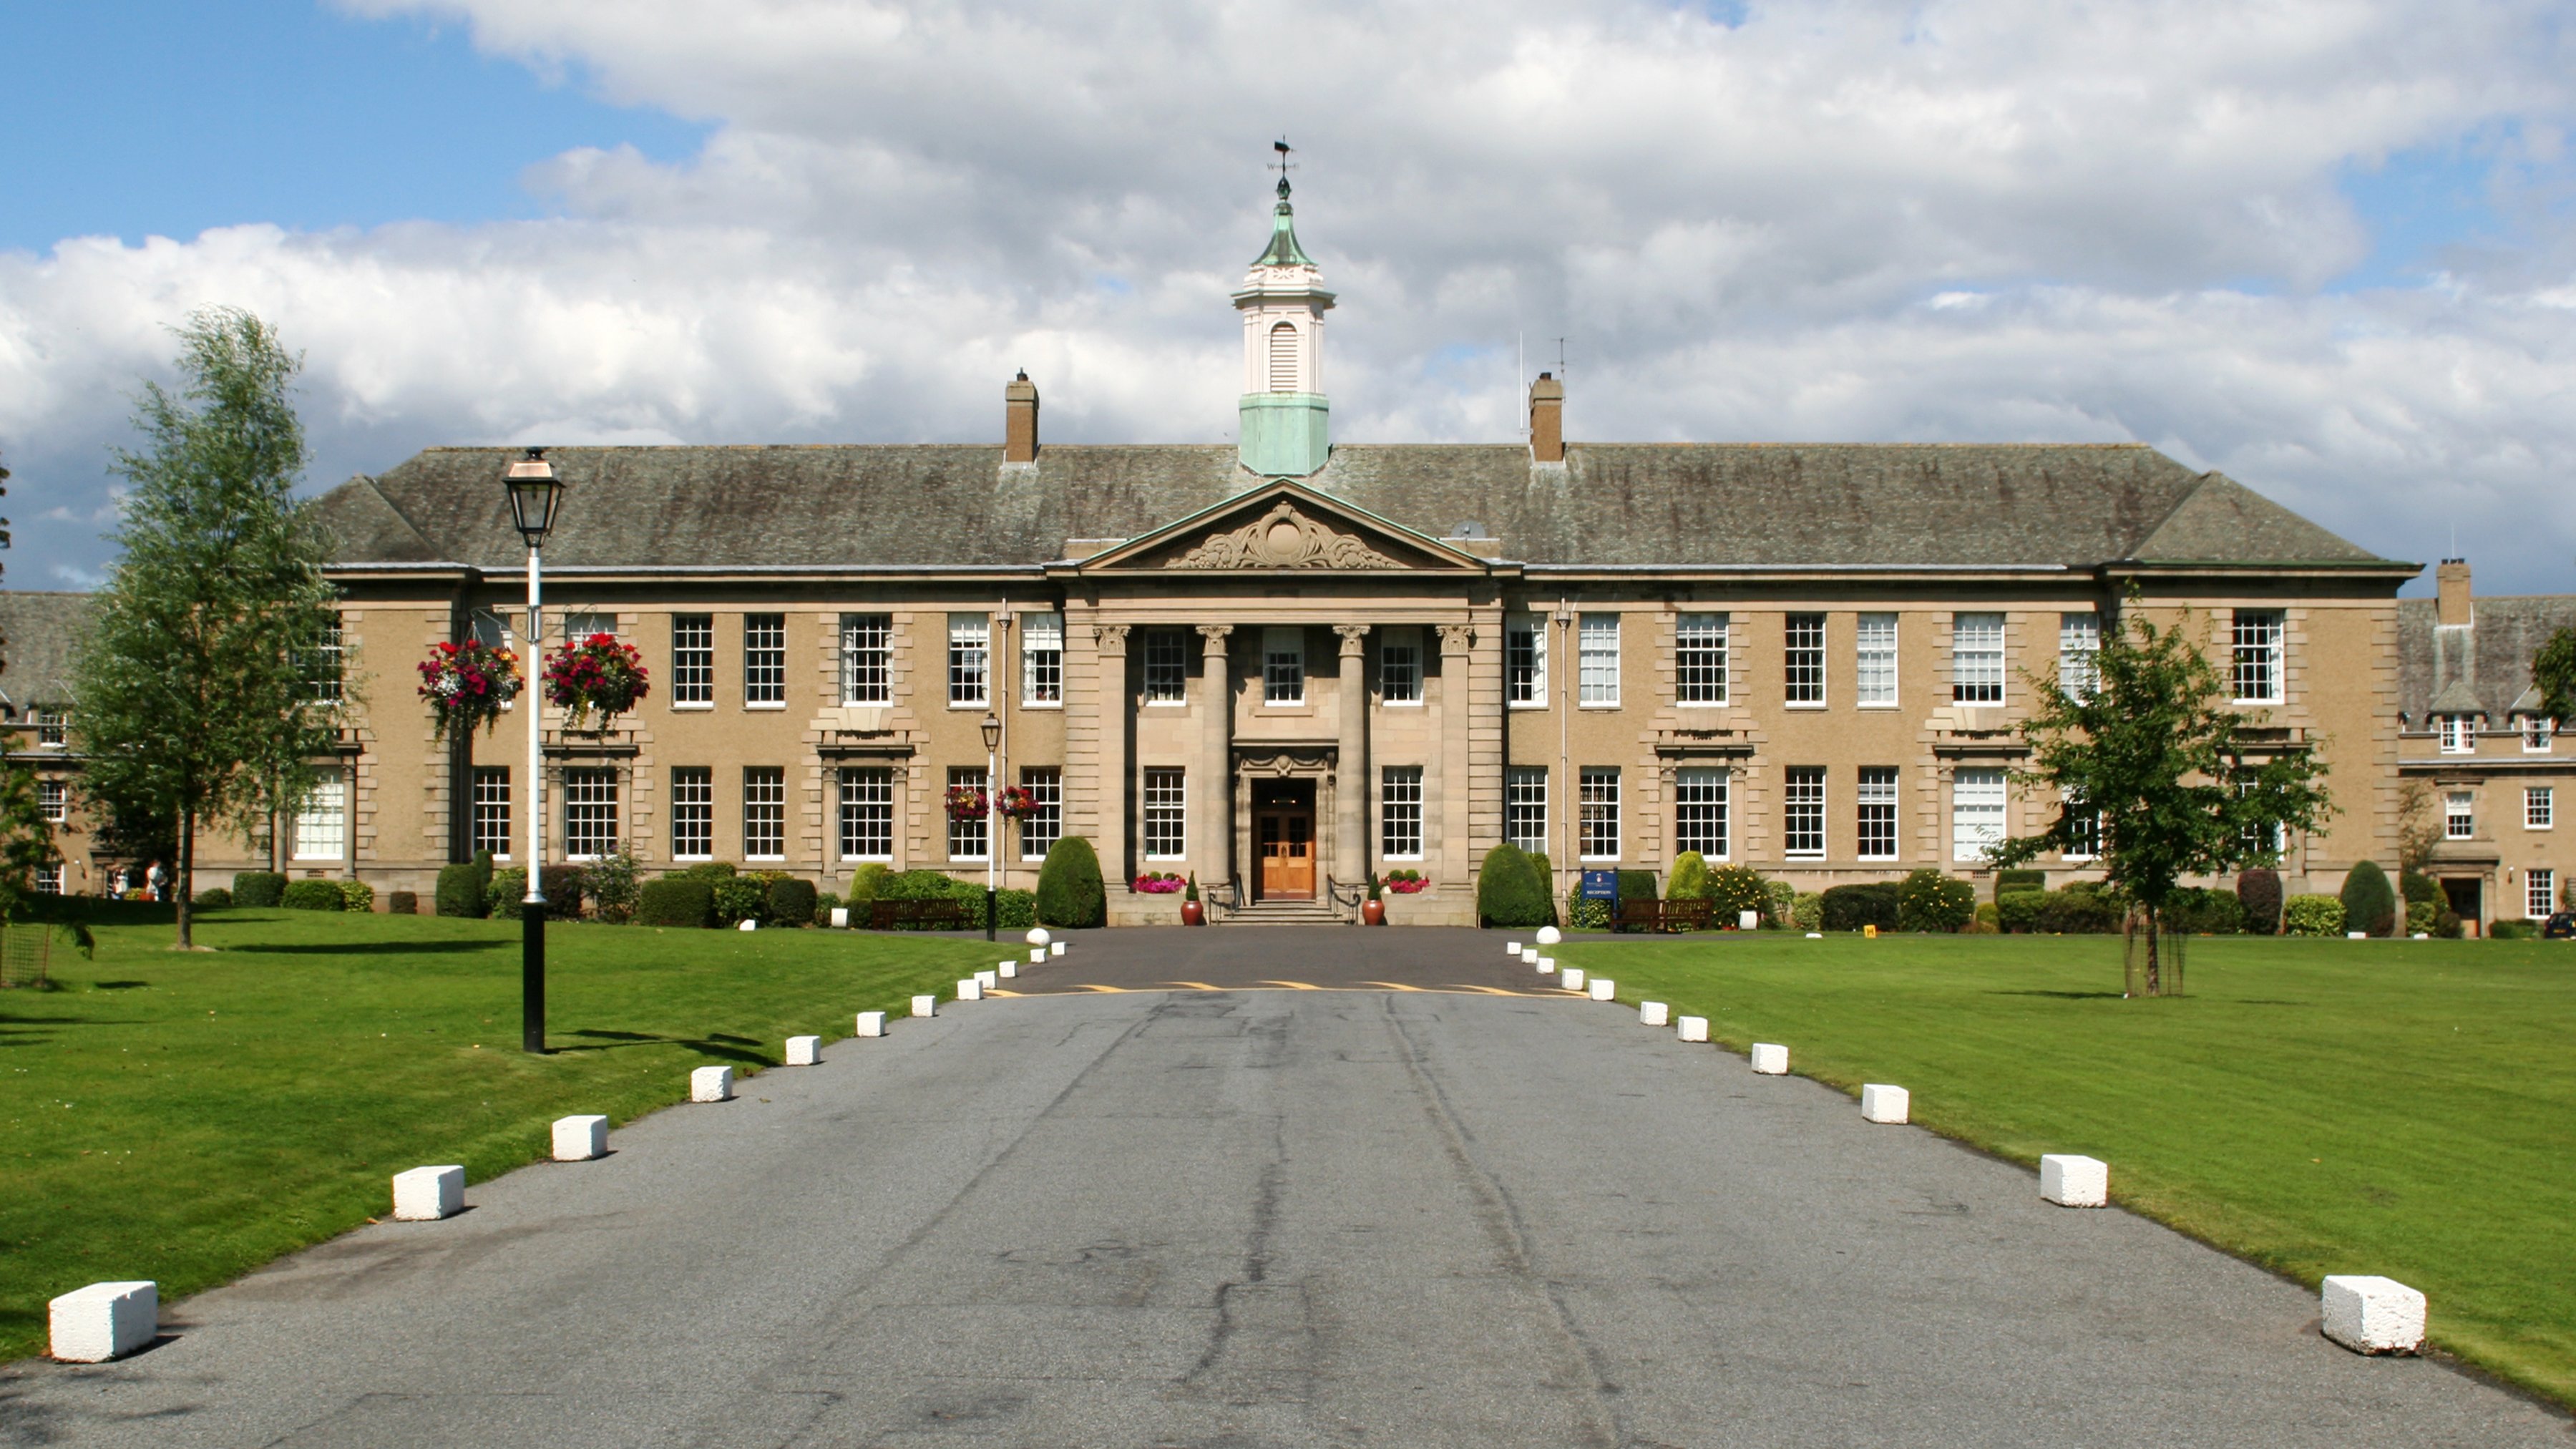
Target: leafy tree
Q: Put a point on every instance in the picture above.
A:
(195, 691)
(2151, 750)
(2419, 823)
(2553, 669)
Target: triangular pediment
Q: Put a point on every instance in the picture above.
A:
(1283, 526)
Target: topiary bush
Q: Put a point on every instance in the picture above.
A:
(460, 890)
(1932, 900)
(1070, 891)
(2017, 911)
(1509, 892)
(402, 903)
(1689, 880)
(791, 902)
(1807, 912)
(2008, 881)
(1735, 889)
(2312, 915)
(313, 895)
(675, 901)
(1850, 907)
(357, 895)
(259, 888)
(2081, 909)
(2259, 892)
(863, 888)
(214, 899)
(2369, 901)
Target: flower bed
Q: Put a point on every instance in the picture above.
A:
(1155, 883)
(1407, 882)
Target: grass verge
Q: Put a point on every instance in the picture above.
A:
(2396, 1107)
(188, 1117)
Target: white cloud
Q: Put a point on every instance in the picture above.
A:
(1867, 221)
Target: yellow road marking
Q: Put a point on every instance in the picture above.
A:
(1294, 985)
(1391, 985)
(1112, 990)
(1195, 985)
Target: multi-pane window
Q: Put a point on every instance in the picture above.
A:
(1166, 814)
(1976, 813)
(324, 667)
(867, 813)
(1803, 659)
(1283, 665)
(1042, 659)
(968, 834)
(492, 809)
(1874, 662)
(867, 659)
(1038, 832)
(970, 639)
(2459, 816)
(2086, 828)
(2535, 734)
(1525, 659)
(1596, 669)
(2539, 892)
(1399, 812)
(2079, 647)
(1802, 813)
(1699, 811)
(2261, 841)
(1877, 819)
(1977, 659)
(693, 813)
(49, 879)
(53, 798)
(53, 729)
(2459, 733)
(764, 813)
(1699, 659)
(693, 659)
(590, 813)
(764, 659)
(2257, 648)
(580, 624)
(1525, 806)
(1597, 811)
(2539, 807)
(1399, 665)
(322, 826)
(1167, 667)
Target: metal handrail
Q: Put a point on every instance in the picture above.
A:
(1226, 896)
(1334, 889)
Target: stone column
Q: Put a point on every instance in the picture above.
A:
(1114, 777)
(1212, 794)
(1353, 787)
(1457, 716)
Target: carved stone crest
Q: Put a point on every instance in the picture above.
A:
(1283, 538)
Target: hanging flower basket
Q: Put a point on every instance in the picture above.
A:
(967, 802)
(1019, 802)
(596, 675)
(467, 685)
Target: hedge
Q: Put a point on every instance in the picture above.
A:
(2369, 902)
(402, 903)
(2312, 916)
(2008, 881)
(1932, 900)
(1070, 891)
(2193, 911)
(1807, 911)
(1850, 907)
(675, 901)
(2513, 931)
(357, 895)
(2079, 910)
(314, 895)
(259, 888)
(2259, 892)
(1509, 891)
(1636, 885)
(214, 899)
(2017, 911)
(791, 902)
(739, 898)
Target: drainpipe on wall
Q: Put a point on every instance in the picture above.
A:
(1571, 798)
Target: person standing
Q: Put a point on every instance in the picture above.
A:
(157, 881)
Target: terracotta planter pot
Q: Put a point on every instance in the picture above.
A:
(1193, 914)
(1372, 913)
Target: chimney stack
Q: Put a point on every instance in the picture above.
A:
(1020, 420)
(2451, 593)
(1547, 419)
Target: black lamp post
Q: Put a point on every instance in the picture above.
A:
(992, 814)
(534, 493)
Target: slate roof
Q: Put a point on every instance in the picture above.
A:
(1737, 504)
(42, 630)
(2485, 665)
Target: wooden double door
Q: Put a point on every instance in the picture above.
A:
(1283, 839)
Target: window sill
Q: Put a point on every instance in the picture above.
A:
(766, 859)
(1614, 704)
(1804, 857)
(681, 859)
(1804, 704)
(696, 706)
(1599, 859)
(1399, 704)
(1699, 704)
(1527, 706)
(958, 706)
(1167, 704)
(1408, 859)
(1286, 706)
(765, 705)
(1041, 704)
(1888, 705)
(2259, 703)
(1878, 859)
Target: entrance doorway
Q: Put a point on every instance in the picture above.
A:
(2466, 896)
(1283, 839)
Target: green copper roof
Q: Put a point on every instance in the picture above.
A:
(1284, 251)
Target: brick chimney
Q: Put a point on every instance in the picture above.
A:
(1547, 419)
(1020, 420)
(2451, 592)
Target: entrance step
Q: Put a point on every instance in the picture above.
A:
(1287, 913)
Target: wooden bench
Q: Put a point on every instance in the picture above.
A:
(924, 915)
(1662, 916)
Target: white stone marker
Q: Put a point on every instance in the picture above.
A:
(841, 917)
(970, 989)
(2356, 935)
(871, 1023)
(2370, 1314)
(1653, 1013)
(426, 1194)
(1529, 955)
(989, 979)
(1055, 948)
(1037, 955)
(2071, 1181)
(104, 1320)
(1693, 1028)
(1548, 936)
(711, 1084)
(579, 1139)
(1604, 989)
(925, 1006)
(1882, 1103)
(1772, 1060)
(1572, 978)
(804, 1051)
(1815, 935)
(1008, 970)
(748, 926)
(1037, 936)
(1748, 920)
(1511, 948)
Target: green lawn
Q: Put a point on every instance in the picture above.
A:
(186, 1118)
(2406, 1108)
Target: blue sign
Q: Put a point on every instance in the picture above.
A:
(1600, 885)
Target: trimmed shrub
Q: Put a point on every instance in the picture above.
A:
(1689, 880)
(612, 883)
(359, 895)
(1985, 921)
(2369, 902)
(402, 903)
(2422, 917)
(738, 898)
(824, 904)
(1807, 911)
(1932, 900)
(1070, 891)
(863, 888)
(1014, 910)
(2419, 889)
(709, 871)
(673, 901)
(1850, 907)
(460, 890)
(2008, 881)
(1733, 890)
(313, 895)
(503, 892)
(214, 899)
(1636, 885)
(2017, 911)
(1509, 892)
(791, 902)
(2312, 915)
(2513, 931)
(2259, 892)
(565, 887)
(2197, 912)
(2079, 910)
(1780, 904)
(259, 888)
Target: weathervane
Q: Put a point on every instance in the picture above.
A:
(1282, 165)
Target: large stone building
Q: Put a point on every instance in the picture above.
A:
(1289, 662)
